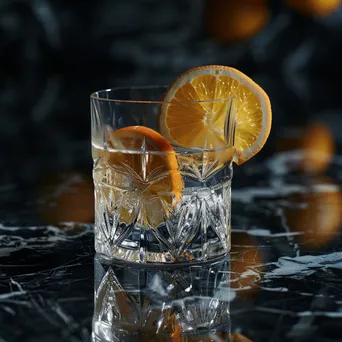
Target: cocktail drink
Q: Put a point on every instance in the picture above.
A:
(163, 164)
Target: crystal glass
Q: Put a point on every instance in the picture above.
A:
(188, 303)
(147, 211)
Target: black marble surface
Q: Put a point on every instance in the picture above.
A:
(281, 282)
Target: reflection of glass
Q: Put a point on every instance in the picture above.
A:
(146, 304)
(155, 201)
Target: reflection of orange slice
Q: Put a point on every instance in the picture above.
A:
(191, 124)
(146, 164)
(246, 261)
(239, 338)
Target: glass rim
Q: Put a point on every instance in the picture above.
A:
(175, 152)
(97, 96)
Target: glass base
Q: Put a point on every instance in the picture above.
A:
(123, 256)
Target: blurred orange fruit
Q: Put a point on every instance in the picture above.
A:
(234, 20)
(66, 197)
(316, 213)
(320, 8)
(318, 147)
(202, 124)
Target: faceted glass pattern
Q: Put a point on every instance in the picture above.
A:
(198, 227)
(138, 215)
(187, 304)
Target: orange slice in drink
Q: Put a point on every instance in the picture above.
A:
(190, 124)
(144, 164)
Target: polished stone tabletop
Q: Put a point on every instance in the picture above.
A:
(282, 280)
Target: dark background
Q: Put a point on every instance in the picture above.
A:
(53, 54)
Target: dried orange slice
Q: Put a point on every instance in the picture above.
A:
(145, 164)
(202, 124)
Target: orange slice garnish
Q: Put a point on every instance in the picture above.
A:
(145, 164)
(202, 124)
